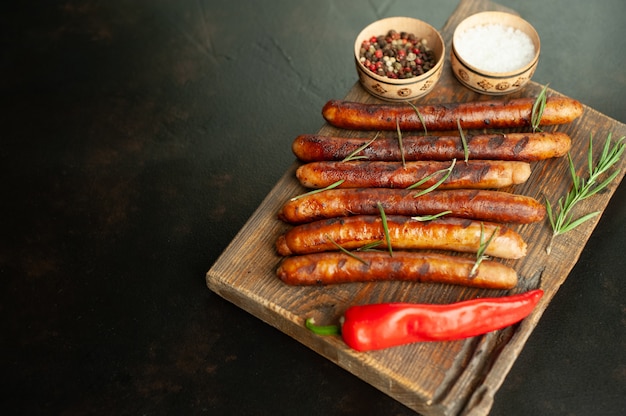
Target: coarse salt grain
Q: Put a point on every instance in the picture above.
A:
(495, 47)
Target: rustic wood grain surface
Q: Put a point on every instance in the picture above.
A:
(448, 378)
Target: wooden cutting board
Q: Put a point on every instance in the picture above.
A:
(439, 378)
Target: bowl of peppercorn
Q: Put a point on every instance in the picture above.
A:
(399, 58)
(494, 53)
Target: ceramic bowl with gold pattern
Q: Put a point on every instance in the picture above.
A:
(494, 53)
(401, 89)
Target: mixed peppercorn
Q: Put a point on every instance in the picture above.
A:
(397, 55)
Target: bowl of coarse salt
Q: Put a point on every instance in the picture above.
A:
(494, 53)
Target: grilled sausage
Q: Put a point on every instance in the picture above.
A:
(487, 205)
(473, 174)
(405, 233)
(492, 114)
(335, 267)
(526, 147)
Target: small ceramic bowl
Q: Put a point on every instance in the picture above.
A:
(486, 81)
(392, 89)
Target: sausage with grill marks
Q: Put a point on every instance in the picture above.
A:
(489, 114)
(336, 267)
(405, 233)
(359, 174)
(525, 147)
(487, 205)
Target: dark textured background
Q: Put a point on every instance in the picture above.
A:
(136, 139)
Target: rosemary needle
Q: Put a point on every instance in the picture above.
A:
(370, 246)
(353, 155)
(343, 250)
(463, 140)
(316, 191)
(538, 108)
(400, 143)
(385, 227)
(447, 171)
(419, 116)
(424, 218)
(480, 254)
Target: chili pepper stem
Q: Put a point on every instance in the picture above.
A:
(322, 329)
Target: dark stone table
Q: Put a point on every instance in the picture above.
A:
(138, 137)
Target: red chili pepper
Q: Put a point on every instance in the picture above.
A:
(378, 326)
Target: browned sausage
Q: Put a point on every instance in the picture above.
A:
(473, 174)
(405, 233)
(492, 114)
(487, 205)
(526, 147)
(336, 267)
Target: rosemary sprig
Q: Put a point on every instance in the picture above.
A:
(353, 155)
(447, 171)
(561, 217)
(419, 116)
(316, 191)
(463, 140)
(385, 227)
(425, 218)
(538, 108)
(400, 143)
(480, 253)
(343, 250)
